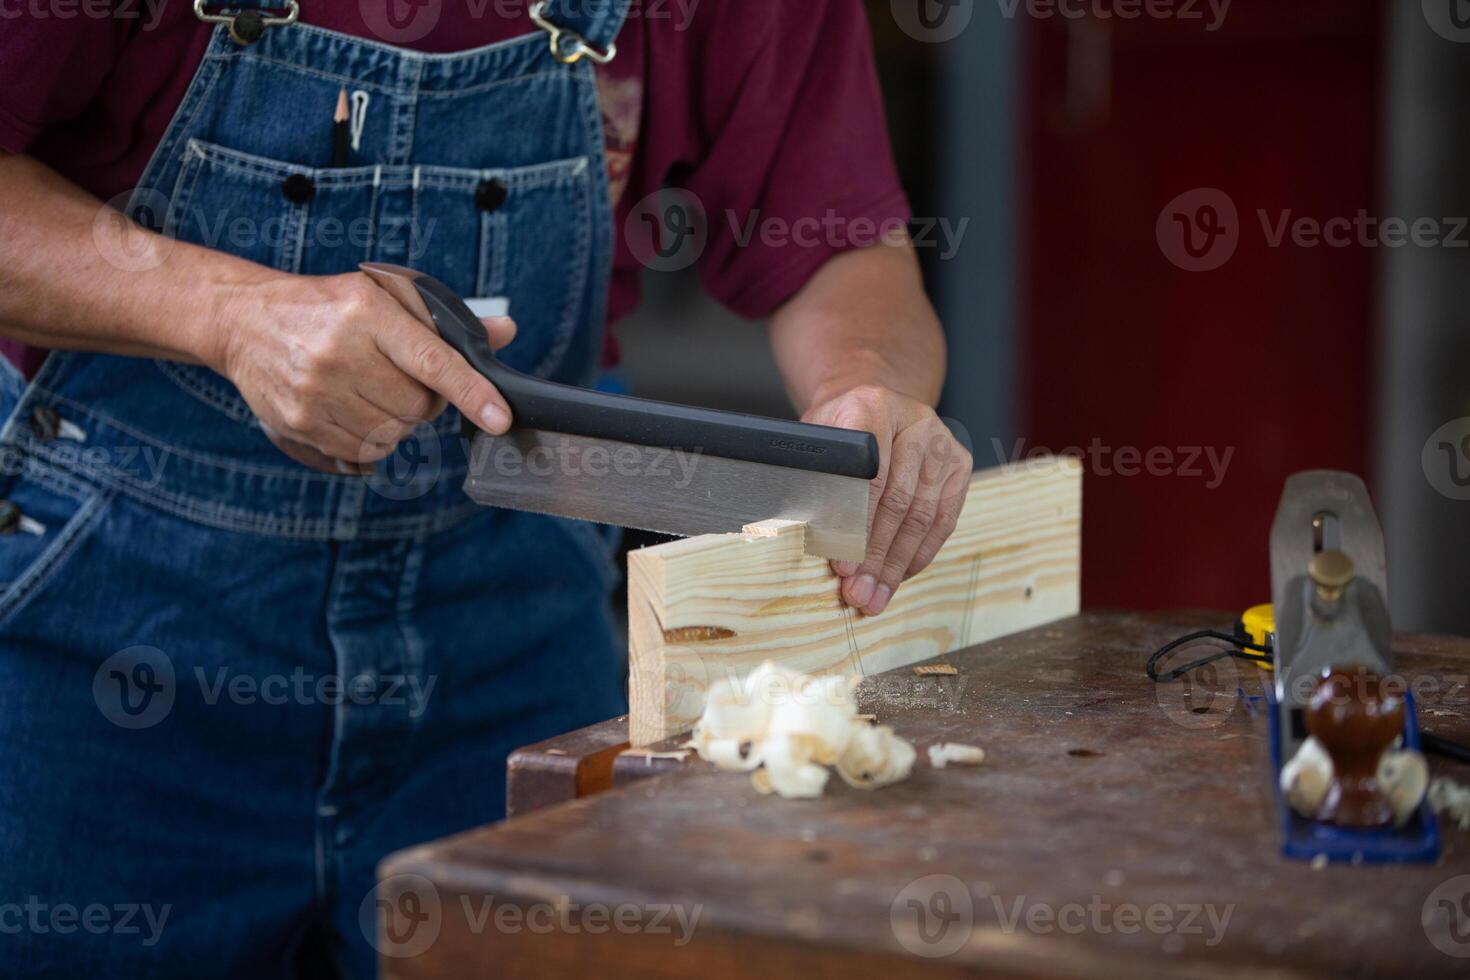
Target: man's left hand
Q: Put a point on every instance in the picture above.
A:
(916, 498)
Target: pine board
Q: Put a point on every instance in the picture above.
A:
(718, 605)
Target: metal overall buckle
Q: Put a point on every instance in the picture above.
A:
(576, 46)
(247, 26)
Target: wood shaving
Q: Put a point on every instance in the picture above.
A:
(944, 753)
(932, 670)
(1449, 797)
(1403, 776)
(786, 728)
(650, 755)
(1306, 777)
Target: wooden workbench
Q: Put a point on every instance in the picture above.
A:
(1108, 823)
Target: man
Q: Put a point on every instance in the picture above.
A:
(237, 665)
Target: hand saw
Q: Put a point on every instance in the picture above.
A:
(632, 462)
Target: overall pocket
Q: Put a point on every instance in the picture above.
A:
(524, 233)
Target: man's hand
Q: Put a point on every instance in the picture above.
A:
(336, 370)
(339, 373)
(916, 498)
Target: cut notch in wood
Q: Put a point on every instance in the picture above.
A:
(1013, 562)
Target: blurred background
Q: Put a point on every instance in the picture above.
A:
(1201, 245)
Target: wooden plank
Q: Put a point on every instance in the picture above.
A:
(718, 605)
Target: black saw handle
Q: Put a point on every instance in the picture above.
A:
(552, 407)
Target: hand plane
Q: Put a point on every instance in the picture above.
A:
(1344, 737)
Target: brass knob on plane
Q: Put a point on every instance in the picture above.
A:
(1331, 571)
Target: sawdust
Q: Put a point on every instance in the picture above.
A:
(944, 753)
(1451, 798)
(648, 755)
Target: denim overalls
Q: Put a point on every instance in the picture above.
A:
(230, 685)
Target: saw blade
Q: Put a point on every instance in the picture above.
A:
(670, 491)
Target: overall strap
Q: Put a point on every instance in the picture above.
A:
(247, 19)
(576, 28)
(581, 27)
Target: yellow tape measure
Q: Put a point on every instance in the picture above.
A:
(1259, 625)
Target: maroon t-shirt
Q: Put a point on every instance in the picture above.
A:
(769, 107)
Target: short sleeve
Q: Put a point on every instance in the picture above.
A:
(52, 66)
(787, 147)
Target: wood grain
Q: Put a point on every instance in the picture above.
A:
(717, 605)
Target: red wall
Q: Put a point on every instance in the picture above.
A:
(1269, 354)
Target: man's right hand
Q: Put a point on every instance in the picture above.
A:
(339, 373)
(336, 370)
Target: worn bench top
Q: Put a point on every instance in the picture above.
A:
(1116, 828)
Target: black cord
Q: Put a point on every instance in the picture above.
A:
(1443, 746)
(1434, 744)
(1151, 668)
